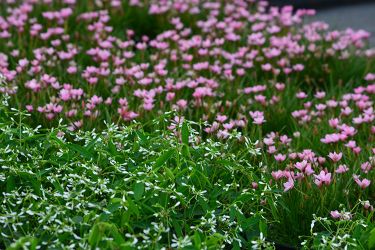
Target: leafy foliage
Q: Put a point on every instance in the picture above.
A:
(125, 188)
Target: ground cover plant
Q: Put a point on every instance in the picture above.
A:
(183, 124)
(124, 188)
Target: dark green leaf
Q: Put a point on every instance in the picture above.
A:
(371, 239)
(139, 189)
(185, 133)
(163, 158)
(79, 149)
(11, 183)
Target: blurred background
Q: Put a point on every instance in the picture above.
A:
(340, 14)
(319, 3)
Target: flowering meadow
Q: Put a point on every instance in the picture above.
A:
(183, 124)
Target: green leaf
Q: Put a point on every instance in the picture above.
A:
(169, 173)
(77, 219)
(371, 239)
(133, 208)
(11, 183)
(33, 179)
(33, 137)
(250, 223)
(185, 151)
(114, 205)
(141, 136)
(139, 189)
(177, 228)
(79, 149)
(185, 133)
(112, 148)
(127, 246)
(57, 185)
(197, 240)
(163, 158)
(116, 235)
(94, 235)
(91, 144)
(26, 242)
(263, 227)
(101, 229)
(213, 241)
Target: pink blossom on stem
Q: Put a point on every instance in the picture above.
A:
(335, 157)
(362, 183)
(288, 185)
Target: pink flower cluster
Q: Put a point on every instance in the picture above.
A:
(346, 138)
(81, 64)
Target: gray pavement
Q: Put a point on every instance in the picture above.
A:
(360, 16)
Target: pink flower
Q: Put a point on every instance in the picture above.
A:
(65, 94)
(266, 67)
(347, 130)
(288, 185)
(182, 104)
(366, 167)
(331, 103)
(301, 165)
(335, 157)
(277, 174)
(322, 178)
(292, 155)
(342, 216)
(268, 141)
(222, 134)
(301, 95)
(351, 144)
(333, 122)
(29, 108)
(72, 70)
(357, 150)
(321, 160)
(362, 183)
(285, 140)
(259, 120)
(261, 99)
(367, 205)
(280, 86)
(346, 111)
(331, 138)
(221, 118)
(271, 149)
(335, 214)
(33, 85)
(213, 128)
(280, 157)
(342, 169)
(258, 117)
(108, 101)
(320, 95)
(320, 107)
(308, 170)
(127, 115)
(298, 67)
(370, 77)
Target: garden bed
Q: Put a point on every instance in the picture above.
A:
(183, 125)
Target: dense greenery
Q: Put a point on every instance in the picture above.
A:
(183, 124)
(141, 189)
(126, 188)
